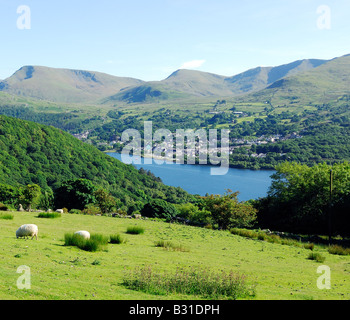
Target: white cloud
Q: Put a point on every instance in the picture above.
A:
(192, 64)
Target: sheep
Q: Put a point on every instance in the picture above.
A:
(84, 234)
(28, 230)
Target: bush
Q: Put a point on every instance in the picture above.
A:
(106, 202)
(135, 230)
(317, 257)
(244, 233)
(191, 281)
(192, 213)
(97, 242)
(116, 239)
(272, 238)
(6, 216)
(9, 194)
(75, 194)
(228, 213)
(49, 215)
(159, 209)
(335, 249)
(75, 211)
(3, 207)
(91, 210)
(309, 246)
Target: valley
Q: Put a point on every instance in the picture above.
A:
(288, 124)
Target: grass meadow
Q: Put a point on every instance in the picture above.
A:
(61, 272)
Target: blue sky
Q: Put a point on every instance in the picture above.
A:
(150, 39)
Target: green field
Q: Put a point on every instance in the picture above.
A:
(64, 273)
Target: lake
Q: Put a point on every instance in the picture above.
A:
(196, 179)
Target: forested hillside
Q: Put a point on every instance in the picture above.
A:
(31, 153)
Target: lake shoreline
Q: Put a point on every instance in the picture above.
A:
(197, 179)
(169, 160)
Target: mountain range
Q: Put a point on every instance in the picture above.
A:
(64, 85)
(78, 86)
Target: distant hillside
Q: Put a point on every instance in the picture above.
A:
(319, 85)
(189, 83)
(149, 92)
(260, 78)
(34, 153)
(79, 86)
(64, 85)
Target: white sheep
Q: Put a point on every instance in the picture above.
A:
(28, 230)
(84, 234)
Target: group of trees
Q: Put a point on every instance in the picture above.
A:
(221, 212)
(29, 196)
(308, 199)
(45, 156)
(217, 211)
(73, 194)
(301, 199)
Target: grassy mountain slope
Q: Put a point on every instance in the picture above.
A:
(64, 85)
(261, 77)
(67, 273)
(33, 153)
(317, 86)
(78, 86)
(149, 92)
(189, 83)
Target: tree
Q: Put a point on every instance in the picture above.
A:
(9, 194)
(75, 194)
(196, 216)
(46, 201)
(299, 198)
(31, 195)
(159, 209)
(105, 201)
(227, 212)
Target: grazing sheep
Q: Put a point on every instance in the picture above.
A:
(60, 211)
(84, 234)
(27, 230)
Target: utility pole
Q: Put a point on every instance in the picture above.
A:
(330, 207)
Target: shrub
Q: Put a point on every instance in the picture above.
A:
(310, 246)
(116, 239)
(244, 233)
(335, 249)
(228, 212)
(3, 207)
(272, 238)
(192, 213)
(106, 202)
(190, 281)
(75, 194)
(135, 230)
(97, 242)
(159, 209)
(75, 211)
(317, 257)
(92, 210)
(6, 216)
(49, 215)
(262, 236)
(9, 194)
